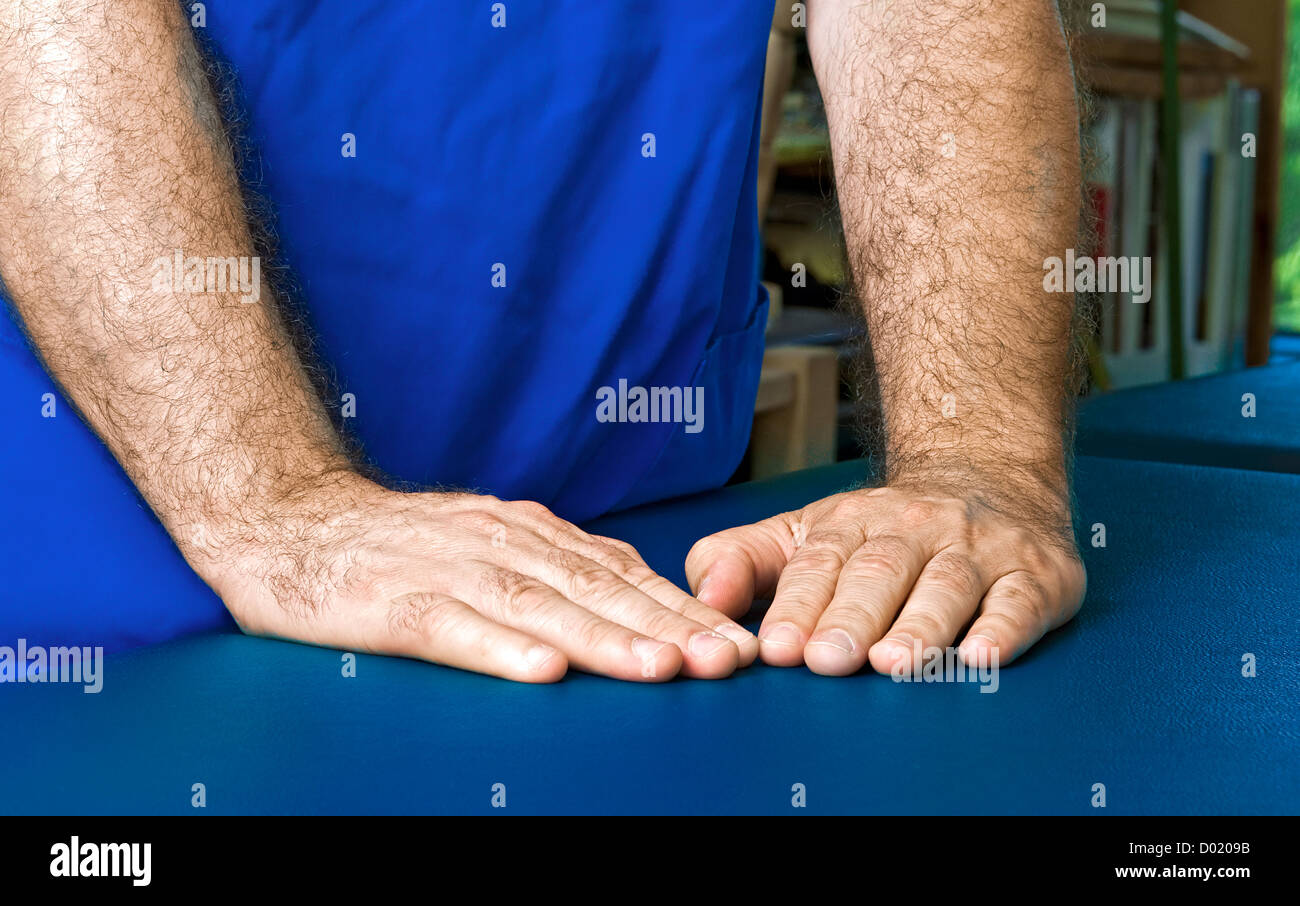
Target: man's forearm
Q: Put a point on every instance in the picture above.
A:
(954, 134)
(115, 159)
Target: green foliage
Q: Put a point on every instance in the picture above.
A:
(1286, 271)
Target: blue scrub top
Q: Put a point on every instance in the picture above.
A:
(596, 158)
(526, 146)
(546, 199)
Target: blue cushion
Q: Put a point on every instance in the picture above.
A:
(1201, 421)
(1144, 693)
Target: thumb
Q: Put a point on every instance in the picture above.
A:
(728, 570)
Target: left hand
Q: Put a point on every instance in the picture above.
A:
(863, 574)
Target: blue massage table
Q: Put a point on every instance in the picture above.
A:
(1201, 421)
(1143, 693)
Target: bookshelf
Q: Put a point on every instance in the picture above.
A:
(1227, 81)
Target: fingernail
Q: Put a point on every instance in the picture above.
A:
(646, 649)
(703, 644)
(699, 592)
(897, 647)
(780, 634)
(738, 634)
(972, 643)
(538, 655)
(836, 638)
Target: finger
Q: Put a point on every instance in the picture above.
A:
(729, 569)
(443, 630)
(544, 551)
(872, 587)
(597, 572)
(806, 588)
(624, 560)
(590, 642)
(942, 601)
(1017, 611)
(707, 654)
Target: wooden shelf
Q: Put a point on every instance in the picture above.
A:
(1133, 52)
(1147, 83)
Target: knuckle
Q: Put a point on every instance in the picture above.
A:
(955, 574)
(621, 558)
(877, 565)
(924, 622)
(534, 509)
(420, 615)
(798, 608)
(836, 538)
(1004, 627)
(1025, 600)
(661, 624)
(580, 576)
(1037, 561)
(622, 547)
(1030, 551)
(880, 494)
(849, 505)
(884, 559)
(566, 561)
(916, 513)
(591, 633)
(957, 511)
(637, 574)
(821, 560)
(508, 590)
(481, 522)
(1023, 539)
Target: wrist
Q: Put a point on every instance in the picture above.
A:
(1035, 487)
(230, 536)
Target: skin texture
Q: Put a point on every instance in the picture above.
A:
(115, 156)
(955, 144)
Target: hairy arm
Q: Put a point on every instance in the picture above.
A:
(115, 158)
(953, 131)
(953, 127)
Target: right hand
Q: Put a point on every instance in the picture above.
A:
(470, 581)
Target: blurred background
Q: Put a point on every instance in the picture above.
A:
(1192, 150)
